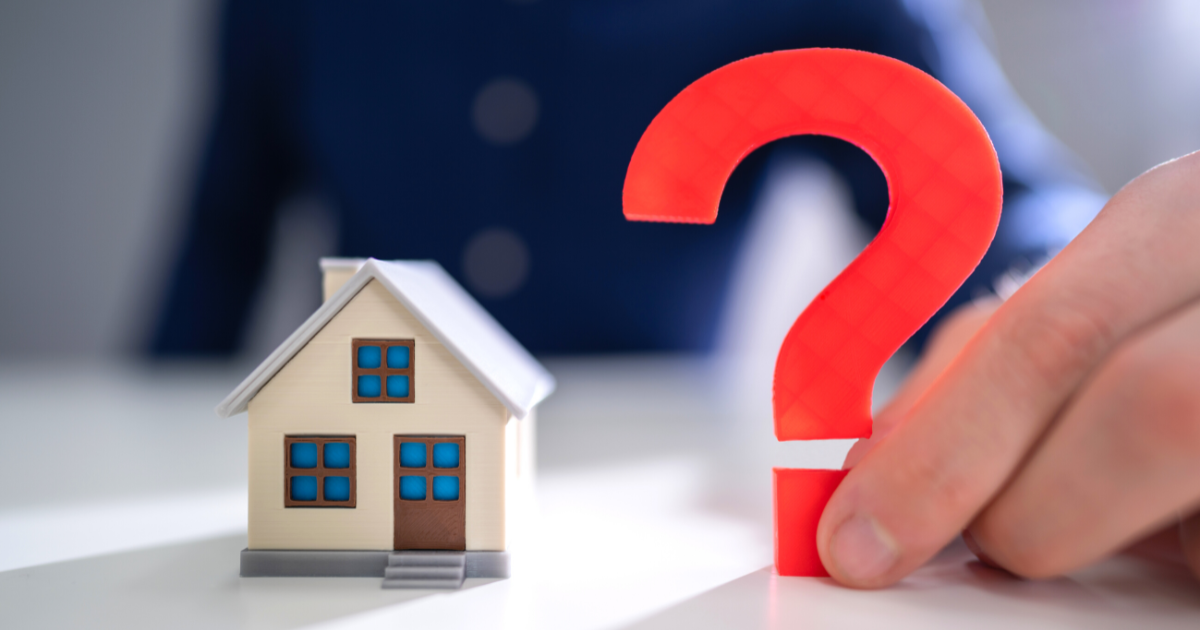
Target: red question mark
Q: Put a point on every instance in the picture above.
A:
(944, 191)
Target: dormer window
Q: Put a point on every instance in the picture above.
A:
(382, 370)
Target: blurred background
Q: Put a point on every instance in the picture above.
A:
(105, 109)
(103, 105)
(102, 110)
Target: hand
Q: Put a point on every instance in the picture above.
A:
(1066, 427)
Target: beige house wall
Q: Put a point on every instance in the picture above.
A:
(519, 478)
(311, 396)
(333, 279)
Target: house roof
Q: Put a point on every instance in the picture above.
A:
(477, 340)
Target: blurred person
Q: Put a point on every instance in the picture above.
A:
(493, 138)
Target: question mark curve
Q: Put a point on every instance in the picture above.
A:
(944, 193)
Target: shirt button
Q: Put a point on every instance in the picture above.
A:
(505, 111)
(495, 262)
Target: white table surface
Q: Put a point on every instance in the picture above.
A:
(122, 504)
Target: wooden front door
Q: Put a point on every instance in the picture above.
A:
(429, 492)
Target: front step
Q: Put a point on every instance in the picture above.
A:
(425, 569)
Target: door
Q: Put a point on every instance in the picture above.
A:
(430, 492)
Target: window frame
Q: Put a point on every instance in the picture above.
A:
(429, 471)
(320, 471)
(383, 371)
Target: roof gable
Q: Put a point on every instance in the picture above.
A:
(468, 331)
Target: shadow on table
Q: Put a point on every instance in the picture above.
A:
(191, 585)
(953, 590)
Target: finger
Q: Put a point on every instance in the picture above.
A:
(920, 486)
(1161, 546)
(945, 343)
(1122, 461)
(1189, 536)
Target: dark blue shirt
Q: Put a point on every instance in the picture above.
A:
(376, 106)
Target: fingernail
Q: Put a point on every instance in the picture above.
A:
(863, 550)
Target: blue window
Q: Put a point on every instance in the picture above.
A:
(368, 386)
(445, 488)
(337, 488)
(397, 386)
(412, 454)
(304, 454)
(319, 472)
(337, 454)
(445, 455)
(412, 488)
(398, 357)
(383, 370)
(431, 467)
(304, 488)
(368, 357)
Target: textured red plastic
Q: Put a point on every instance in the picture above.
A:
(944, 191)
(800, 497)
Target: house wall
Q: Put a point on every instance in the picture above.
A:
(311, 395)
(519, 477)
(333, 279)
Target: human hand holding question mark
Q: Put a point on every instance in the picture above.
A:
(945, 195)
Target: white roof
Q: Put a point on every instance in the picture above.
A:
(477, 340)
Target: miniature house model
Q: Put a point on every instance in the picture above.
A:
(389, 433)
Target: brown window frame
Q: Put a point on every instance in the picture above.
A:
(429, 471)
(320, 471)
(383, 371)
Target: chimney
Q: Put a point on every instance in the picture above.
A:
(335, 272)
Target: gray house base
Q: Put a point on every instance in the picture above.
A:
(304, 563)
